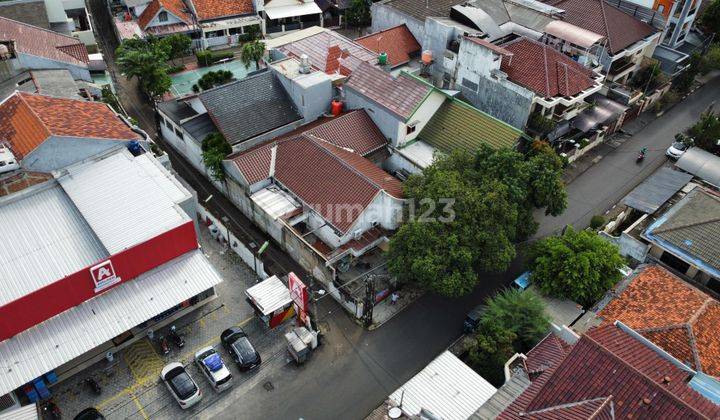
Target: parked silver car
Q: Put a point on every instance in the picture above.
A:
(210, 363)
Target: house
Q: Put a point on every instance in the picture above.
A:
(446, 388)
(609, 372)
(65, 17)
(398, 43)
(685, 236)
(103, 252)
(674, 315)
(281, 16)
(333, 202)
(524, 77)
(58, 83)
(326, 51)
(628, 39)
(210, 23)
(32, 48)
(420, 119)
(46, 133)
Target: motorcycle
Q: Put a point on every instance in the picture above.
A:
(641, 155)
(50, 410)
(94, 386)
(175, 337)
(164, 346)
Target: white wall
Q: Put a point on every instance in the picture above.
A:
(421, 116)
(170, 20)
(58, 152)
(389, 124)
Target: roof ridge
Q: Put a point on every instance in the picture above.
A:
(687, 225)
(315, 139)
(379, 32)
(687, 327)
(608, 400)
(570, 404)
(547, 74)
(77, 41)
(21, 95)
(645, 377)
(605, 24)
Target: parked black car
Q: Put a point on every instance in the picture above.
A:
(242, 351)
(89, 413)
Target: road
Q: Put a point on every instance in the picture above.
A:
(354, 370)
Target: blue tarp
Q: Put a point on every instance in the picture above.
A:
(213, 362)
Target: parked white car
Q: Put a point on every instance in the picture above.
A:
(181, 385)
(676, 150)
(210, 363)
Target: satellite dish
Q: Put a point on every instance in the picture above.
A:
(394, 413)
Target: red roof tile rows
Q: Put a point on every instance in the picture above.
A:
(330, 52)
(214, 9)
(27, 120)
(544, 70)
(43, 43)
(620, 29)
(397, 42)
(176, 7)
(674, 315)
(336, 183)
(609, 365)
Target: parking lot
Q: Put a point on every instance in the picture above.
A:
(131, 387)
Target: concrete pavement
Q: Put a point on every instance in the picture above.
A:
(606, 182)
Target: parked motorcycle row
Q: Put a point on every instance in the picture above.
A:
(171, 337)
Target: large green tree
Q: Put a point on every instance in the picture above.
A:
(146, 60)
(578, 265)
(177, 45)
(214, 150)
(710, 19)
(490, 350)
(706, 132)
(467, 211)
(252, 52)
(358, 13)
(521, 312)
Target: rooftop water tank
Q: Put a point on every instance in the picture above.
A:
(382, 59)
(426, 57)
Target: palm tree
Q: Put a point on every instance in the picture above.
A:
(252, 51)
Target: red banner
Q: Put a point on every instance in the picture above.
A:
(298, 291)
(66, 293)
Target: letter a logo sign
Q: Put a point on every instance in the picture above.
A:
(103, 275)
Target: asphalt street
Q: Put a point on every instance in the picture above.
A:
(354, 370)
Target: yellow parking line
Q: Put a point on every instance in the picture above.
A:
(141, 410)
(245, 322)
(107, 401)
(215, 340)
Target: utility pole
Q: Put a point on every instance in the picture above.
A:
(369, 302)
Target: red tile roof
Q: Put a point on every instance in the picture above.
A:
(488, 45)
(19, 180)
(213, 9)
(398, 42)
(674, 315)
(43, 43)
(545, 70)
(330, 52)
(27, 120)
(620, 29)
(401, 95)
(609, 366)
(176, 7)
(337, 183)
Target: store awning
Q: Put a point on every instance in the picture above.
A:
(287, 10)
(269, 295)
(76, 331)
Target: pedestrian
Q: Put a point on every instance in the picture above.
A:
(394, 297)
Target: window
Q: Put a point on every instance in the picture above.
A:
(661, 8)
(179, 133)
(168, 123)
(235, 31)
(410, 129)
(163, 16)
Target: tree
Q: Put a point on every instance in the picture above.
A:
(358, 13)
(214, 150)
(212, 79)
(177, 45)
(706, 132)
(579, 265)
(522, 313)
(467, 212)
(145, 60)
(710, 19)
(491, 350)
(252, 52)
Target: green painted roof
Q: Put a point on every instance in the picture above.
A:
(457, 125)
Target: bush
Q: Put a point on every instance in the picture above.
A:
(175, 69)
(583, 143)
(208, 58)
(540, 124)
(596, 222)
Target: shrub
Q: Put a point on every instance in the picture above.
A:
(175, 69)
(596, 222)
(208, 58)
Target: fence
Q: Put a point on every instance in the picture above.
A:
(224, 234)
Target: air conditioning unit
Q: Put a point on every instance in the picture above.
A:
(357, 234)
(7, 160)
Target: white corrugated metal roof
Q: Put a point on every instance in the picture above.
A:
(278, 9)
(82, 328)
(269, 295)
(119, 203)
(45, 238)
(26, 412)
(447, 387)
(293, 36)
(274, 201)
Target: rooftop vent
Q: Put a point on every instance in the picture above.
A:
(7, 160)
(305, 64)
